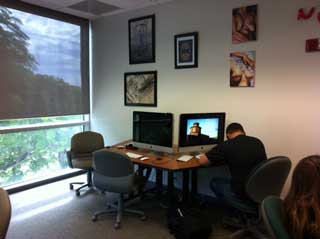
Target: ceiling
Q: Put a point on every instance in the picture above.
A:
(93, 9)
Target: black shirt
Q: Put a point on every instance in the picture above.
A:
(241, 154)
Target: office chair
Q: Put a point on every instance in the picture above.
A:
(265, 179)
(114, 172)
(273, 217)
(83, 145)
(5, 212)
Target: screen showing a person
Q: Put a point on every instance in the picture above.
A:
(153, 128)
(201, 129)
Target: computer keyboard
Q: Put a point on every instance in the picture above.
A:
(185, 158)
(133, 155)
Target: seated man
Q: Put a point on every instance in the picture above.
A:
(241, 153)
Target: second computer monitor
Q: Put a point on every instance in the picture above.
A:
(200, 131)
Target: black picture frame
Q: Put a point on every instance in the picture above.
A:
(142, 40)
(186, 50)
(140, 88)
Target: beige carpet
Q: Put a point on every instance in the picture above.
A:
(54, 212)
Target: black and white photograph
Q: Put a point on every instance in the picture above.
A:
(140, 88)
(186, 50)
(142, 40)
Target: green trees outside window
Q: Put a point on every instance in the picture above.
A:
(29, 155)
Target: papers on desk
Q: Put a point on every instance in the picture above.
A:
(185, 158)
(133, 155)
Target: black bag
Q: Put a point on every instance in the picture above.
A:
(186, 223)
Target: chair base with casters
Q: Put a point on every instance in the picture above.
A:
(251, 226)
(119, 209)
(83, 184)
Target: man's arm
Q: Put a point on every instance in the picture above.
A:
(204, 161)
(214, 157)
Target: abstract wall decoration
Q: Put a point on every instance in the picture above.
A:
(142, 40)
(186, 50)
(307, 14)
(313, 45)
(140, 88)
(242, 69)
(244, 24)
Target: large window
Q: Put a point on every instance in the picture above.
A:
(44, 89)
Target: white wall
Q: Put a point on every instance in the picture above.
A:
(281, 110)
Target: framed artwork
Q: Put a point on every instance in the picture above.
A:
(242, 69)
(140, 88)
(142, 40)
(244, 24)
(186, 50)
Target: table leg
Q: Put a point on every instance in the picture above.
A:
(185, 185)
(170, 188)
(194, 184)
(159, 184)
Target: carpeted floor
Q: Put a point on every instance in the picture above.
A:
(54, 212)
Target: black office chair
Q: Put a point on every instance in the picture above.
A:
(80, 155)
(273, 217)
(267, 178)
(114, 172)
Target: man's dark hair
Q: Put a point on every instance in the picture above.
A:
(234, 127)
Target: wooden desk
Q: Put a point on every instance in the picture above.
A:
(169, 163)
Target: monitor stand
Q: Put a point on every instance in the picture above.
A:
(160, 154)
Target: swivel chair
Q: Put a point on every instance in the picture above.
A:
(114, 172)
(273, 217)
(265, 179)
(80, 155)
(5, 212)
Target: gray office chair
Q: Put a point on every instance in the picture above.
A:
(5, 212)
(114, 172)
(273, 217)
(265, 179)
(80, 155)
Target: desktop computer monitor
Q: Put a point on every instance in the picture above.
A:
(153, 131)
(198, 132)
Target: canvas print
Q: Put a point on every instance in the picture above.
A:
(244, 24)
(142, 40)
(242, 69)
(186, 50)
(140, 88)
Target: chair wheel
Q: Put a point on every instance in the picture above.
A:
(94, 218)
(77, 193)
(116, 225)
(71, 187)
(143, 218)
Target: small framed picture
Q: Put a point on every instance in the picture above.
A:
(142, 40)
(186, 50)
(140, 88)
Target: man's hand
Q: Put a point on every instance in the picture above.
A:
(204, 161)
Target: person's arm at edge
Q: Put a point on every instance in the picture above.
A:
(204, 161)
